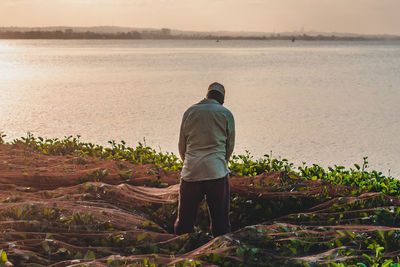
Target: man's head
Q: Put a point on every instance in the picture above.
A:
(216, 91)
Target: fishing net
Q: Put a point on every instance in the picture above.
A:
(69, 211)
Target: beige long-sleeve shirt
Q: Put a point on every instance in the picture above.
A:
(206, 141)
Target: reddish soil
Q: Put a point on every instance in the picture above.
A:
(67, 210)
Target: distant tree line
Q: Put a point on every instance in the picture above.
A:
(68, 34)
(302, 37)
(166, 34)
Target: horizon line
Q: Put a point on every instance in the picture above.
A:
(210, 31)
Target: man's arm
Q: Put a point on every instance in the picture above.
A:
(182, 140)
(230, 141)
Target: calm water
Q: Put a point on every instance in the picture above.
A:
(318, 102)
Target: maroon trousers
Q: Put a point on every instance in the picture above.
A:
(217, 196)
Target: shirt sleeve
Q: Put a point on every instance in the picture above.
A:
(230, 141)
(182, 140)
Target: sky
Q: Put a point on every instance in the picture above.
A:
(351, 16)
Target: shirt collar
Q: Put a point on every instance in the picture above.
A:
(209, 101)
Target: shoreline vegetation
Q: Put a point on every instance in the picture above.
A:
(117, 33)
(240, 165)
(64, 201)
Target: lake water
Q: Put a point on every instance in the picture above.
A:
(316, 102)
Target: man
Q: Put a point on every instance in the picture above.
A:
(206, 142)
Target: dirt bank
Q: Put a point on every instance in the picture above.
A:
(68, 210)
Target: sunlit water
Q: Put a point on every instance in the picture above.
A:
(318, 102)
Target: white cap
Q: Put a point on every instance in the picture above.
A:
(217, 87)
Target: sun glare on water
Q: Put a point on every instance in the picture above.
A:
(8, 73)
(5, 47)
(12, 64)
(6, 69)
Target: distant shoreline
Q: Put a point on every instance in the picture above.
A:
(166, 34)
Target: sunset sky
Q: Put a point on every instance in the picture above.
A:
(356, 16)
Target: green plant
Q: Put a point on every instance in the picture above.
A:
(360, 177)
(141, 154)
(3, 258)
(2, 135)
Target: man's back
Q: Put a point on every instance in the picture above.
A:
(206, 140)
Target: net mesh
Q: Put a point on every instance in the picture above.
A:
(69, 211)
